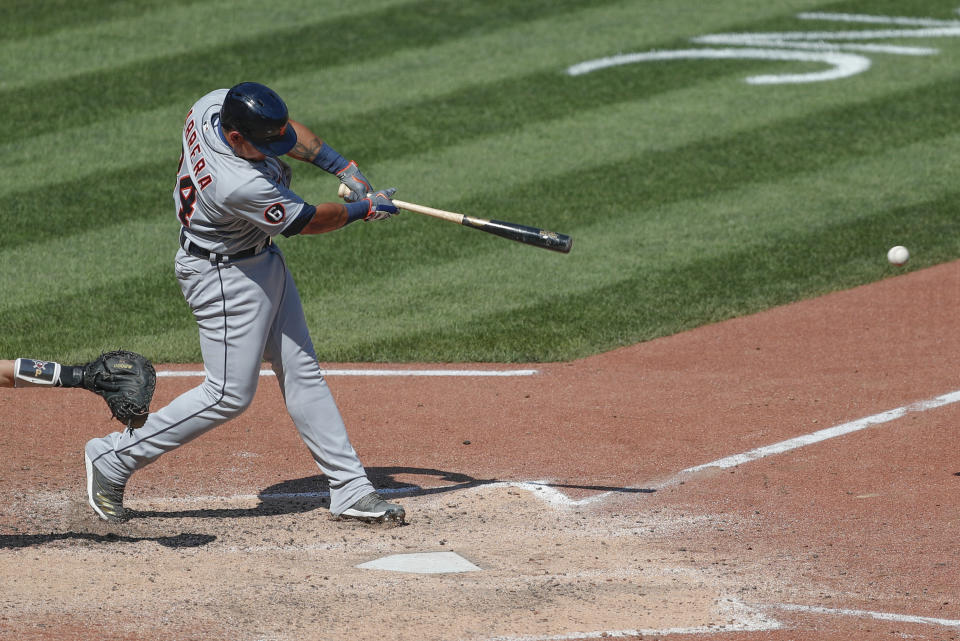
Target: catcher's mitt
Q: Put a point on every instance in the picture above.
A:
(125, 380)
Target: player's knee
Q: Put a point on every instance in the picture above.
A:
(236, 402)
(230, 400)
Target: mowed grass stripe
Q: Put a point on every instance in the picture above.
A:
(549, 44)
(91, 37)
(147, 304)
(555, 327)
(389, 303)
(135, 191)
(660, 240)
(696, 169)
(512, 104)
(75, 207)
(550, 41)
(719, 163)
(166, 74)
(676, 297)
(507, 153)
(23, 19)
(33, 164)
(476, 112)
(143, 85)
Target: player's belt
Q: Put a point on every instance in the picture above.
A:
(214, 257)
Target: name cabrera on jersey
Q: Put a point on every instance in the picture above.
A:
(228, 204)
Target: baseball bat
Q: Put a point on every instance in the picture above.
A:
(512, 231)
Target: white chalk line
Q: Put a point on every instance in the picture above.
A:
(824, 434)
(747, 621)
(559, 499)
(640, 632)
(746, 618)
(866, 614)
(752, 623)
(541, 489)
(383, 372)
(551, 495)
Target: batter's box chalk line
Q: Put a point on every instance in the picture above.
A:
(745, 618)
(741, 617)
(817, 437)
(864, 614)
(541, 489)
(545, 490)
(465, 373)
(557, 498)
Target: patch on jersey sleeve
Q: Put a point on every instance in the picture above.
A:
(275, 214)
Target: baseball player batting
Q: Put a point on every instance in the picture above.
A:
(232, 196)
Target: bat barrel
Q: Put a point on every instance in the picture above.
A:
(522, 233)
(514, 231)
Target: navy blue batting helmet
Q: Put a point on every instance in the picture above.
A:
(260, 115)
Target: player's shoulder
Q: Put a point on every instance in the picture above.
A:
(244, 186)
(208, 101)
(214, 97)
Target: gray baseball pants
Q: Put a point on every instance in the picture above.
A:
(247, 310)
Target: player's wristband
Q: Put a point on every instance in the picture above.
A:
(357, 210)
(34, 372)
(71, 376)
(329, 160)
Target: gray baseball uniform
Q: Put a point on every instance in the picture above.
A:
(247, 308)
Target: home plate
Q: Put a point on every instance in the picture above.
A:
(422, 563)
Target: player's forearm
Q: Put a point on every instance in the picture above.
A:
(331, 216)
(6, 373)
(328, 217)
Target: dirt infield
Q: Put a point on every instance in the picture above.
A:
(569, 492)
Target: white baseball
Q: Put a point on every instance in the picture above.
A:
(898, 255)
(343, 191)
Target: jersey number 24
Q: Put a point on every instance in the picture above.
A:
(188, 199)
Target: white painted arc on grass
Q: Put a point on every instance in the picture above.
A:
(824, 46)
(384, 372)
(842, 65)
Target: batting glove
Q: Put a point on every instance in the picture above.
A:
(353, 178)
(379, 205)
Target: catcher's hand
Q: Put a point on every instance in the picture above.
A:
(125, 380)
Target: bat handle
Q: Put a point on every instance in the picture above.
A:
(513, 231)
(343, 191)
(429, 211)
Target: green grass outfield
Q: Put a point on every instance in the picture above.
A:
(692, 196)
